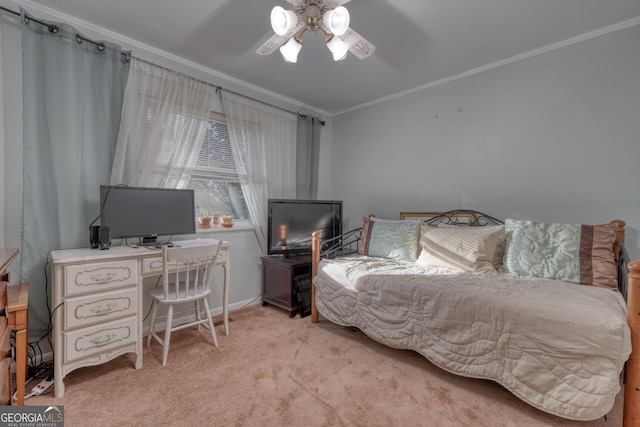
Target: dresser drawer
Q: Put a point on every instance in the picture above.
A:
(100, 338)
(5, 342)
(153, 266)
(102, 307)
(83, 278)
(5, 363)
(5, 382)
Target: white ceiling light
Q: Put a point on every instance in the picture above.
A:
(337, 20)
(290, 50)
(282, 20)
(338, 48)
(313, 15)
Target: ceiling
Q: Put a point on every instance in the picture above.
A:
(418, 42)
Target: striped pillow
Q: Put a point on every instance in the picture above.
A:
(469, 249)
(569, 252)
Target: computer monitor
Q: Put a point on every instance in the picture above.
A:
(147, 212)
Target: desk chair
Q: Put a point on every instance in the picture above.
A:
(187, 273)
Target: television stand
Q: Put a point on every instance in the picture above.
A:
(279, 275)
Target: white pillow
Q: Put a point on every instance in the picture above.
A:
(470, 249)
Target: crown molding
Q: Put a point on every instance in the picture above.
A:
(586, 36)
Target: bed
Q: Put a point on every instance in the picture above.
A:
(473, 301)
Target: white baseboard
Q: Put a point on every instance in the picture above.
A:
(184, 317)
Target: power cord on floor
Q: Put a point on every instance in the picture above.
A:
(41, 388)
(44, 370)
(26, 396)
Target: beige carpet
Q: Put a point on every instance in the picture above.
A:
(276, 371)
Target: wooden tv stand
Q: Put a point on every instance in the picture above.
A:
(278, 280)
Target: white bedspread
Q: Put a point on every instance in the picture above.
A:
(558, 346)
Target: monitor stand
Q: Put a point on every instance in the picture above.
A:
(149, 241)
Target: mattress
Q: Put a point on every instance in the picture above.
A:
(558, 346)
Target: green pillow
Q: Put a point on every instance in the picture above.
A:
(386, 238)
(569, 252)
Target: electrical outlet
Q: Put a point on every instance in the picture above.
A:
(42, 387)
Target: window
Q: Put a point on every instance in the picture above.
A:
(215, 177)
(213, 173)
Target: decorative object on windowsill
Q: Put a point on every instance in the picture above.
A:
(313, 15)
(227, 221)
(204, 219)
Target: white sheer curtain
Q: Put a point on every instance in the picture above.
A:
(72, 96)
(165, 116)
(308, 157)
(263, 141)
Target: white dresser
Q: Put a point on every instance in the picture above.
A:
(97, 303)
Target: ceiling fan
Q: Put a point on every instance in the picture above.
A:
(313, 15)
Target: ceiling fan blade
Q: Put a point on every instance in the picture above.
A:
(358, 45)
(275, 41)
(271, 45)
(332, 4)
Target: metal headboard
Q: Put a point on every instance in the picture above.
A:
(344, 244)
(464, 218)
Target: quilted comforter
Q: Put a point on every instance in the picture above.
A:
(558, 346)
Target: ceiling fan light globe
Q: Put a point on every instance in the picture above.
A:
(282, 21)
(337, 20)
(336, 59)
(290, 50)
(338, 48)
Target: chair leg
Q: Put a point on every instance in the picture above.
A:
(167, 335)
(152, 322)
(198, 315)
(211, 328)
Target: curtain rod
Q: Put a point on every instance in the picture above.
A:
(127, 56)
(53, 29)
(218, 88)
(301, 116)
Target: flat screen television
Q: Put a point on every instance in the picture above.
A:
(291, 222)
(147, 212)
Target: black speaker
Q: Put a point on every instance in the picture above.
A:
(100, 236)
(93, 236)
(104, 237)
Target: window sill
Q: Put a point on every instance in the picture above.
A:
(238, 226)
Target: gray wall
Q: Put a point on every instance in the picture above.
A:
(555, 137)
